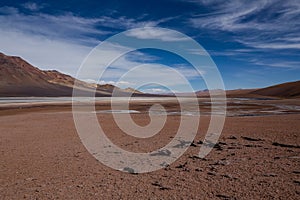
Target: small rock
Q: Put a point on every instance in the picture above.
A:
(252, 145)
(232, 137)
(285, 145)
(164, 152)
(199, 170)
(251, 139)
(222, 196)
(194, 157)
(297, 182)
(30, 179)
(129, 170)
(193, 144)
(181, 165)
(222, 162)
(270, 175)
(218, 147)
(212, 173)
(160, 186)
(227, 176)
(199, 142)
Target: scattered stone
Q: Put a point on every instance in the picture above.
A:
(212, 173)
(270, 175)
(129, 170)
(193, 144)
(30, 179)
(297, 182)
(285, 145)
(222, 143)
(222, 162)
(227, 176)
(199, 142)
(199, 170)
(232, 137)
(222, 196)
(182, 144)
(251, 139)
(252, 145)
(195, 157)
(218, 147)
(212, 167)
(156, 183)
(164, 152)
(164, 164)
(181, 165)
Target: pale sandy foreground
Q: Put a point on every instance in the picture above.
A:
(257, 157)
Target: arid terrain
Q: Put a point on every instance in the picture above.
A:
(257, 156)
(42, 157)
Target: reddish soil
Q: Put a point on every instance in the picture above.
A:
(42, 157)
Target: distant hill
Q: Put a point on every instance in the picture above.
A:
(285, 90)
(19, 78)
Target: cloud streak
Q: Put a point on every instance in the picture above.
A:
(257, 24)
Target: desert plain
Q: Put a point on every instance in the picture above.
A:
(257, 155)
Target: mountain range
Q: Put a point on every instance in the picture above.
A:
(18, 78)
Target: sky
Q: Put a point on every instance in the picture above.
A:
(253, 43)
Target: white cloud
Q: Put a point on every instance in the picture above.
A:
(156, 91)
(273, 45)
(61, 43)
(33, 6)
(42, 52)
(259, 24)
(63, 27)
(153, 33)
(56, 42)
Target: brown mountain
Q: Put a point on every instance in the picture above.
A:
(19, 78)
(284, 90)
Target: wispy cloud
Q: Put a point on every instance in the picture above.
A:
(152, 33)
(277, 63)
(66, 26)
(54, 41)
(258, 24)
(60, 27)
(33, 6)
(63, 41)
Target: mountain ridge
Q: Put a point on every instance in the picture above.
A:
(19, 78)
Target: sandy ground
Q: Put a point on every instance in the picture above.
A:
(257, 157)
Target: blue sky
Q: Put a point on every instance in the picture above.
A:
(253, 43)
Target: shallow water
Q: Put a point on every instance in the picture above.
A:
(237, 106)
